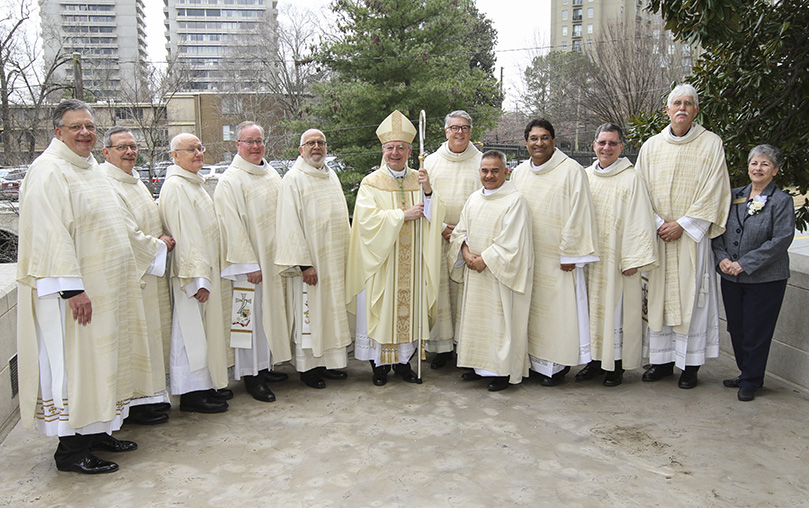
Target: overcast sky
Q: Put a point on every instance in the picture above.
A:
(519, 29)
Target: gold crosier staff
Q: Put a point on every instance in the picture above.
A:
(422, 355)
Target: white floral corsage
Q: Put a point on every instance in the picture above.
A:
(756, 204)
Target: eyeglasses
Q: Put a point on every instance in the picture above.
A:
(312, 144)
(79, 126)
(460, 128)
(397, 148)
(124, 148)
(251, 142)
(200, 149)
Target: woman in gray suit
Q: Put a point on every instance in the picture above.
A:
(754, 265)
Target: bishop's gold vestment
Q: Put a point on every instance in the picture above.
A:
(381, 259)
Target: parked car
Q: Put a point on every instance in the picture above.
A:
(282, 166)
(10, 184)
(214, 171)
(154, 181)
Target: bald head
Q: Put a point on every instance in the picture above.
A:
(187, 152)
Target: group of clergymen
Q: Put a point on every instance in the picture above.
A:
(537, 273)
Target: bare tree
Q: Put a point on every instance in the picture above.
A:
(632, 68)
(275, 60)
(40, 88)
(12, 26)
(554, 88)
(27, 83)
(142, 105)
(619, 74)
(296, 70)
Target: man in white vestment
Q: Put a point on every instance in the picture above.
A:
(564, 242)
(626, 245)
(312, 228)
(245, 201)
(388, 242)
(685, 171)
(453, 171)
(80, 322)
(199, 355)
(121, 152)
(494, 241)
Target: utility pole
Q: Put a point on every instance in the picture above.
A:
(78, 82)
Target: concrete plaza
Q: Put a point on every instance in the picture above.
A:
(450, 443)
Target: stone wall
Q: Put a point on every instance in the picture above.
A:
(9, 406)
(789, 353)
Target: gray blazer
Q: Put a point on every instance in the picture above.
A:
(758, 242)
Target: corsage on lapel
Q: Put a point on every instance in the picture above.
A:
(755, 205)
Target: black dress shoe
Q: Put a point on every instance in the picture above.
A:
(590, 371)
(312, 379)
(746, 394)
(145, 415)
(380, 377)
(90, 464)
(497, 384)
(688, 379)
(199, 402)
(108, 443)
(334, 374)
(404, 371)
(658, 372)
(257, 389)
(614, 377)
(160, 407)
(220, 394)
(272, 376)
(471, 375)
(554, 380)
(732, 383)
(440, 360)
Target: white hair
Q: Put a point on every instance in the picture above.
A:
(308, 131)
(176, 140)
(683, 90)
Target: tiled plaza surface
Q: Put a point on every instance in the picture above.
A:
(449, 443)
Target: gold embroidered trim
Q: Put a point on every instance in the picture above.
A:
(381, 179)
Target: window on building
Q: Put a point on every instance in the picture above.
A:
(576, 2)
(229, 132)
(576, 14)
(576, 30)
(564, 30)
(564, 15)
(589, 12)
(577, 46)
(590, 28)
(564, 45)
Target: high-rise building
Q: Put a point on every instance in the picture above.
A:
(576, 23)
(220, 44)
(110, 36)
